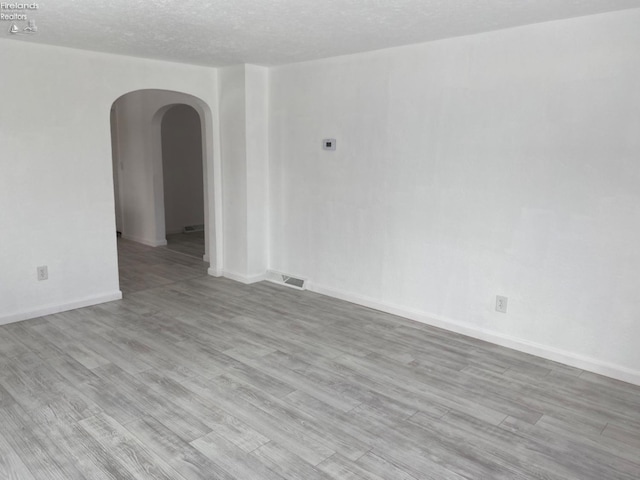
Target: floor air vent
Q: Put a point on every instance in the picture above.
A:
(284, 279)
(193, 228)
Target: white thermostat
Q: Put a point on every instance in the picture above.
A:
(329, 144)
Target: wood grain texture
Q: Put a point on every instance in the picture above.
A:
(11, 465)
(180, 455)
(126, 449)
(191, 243)
(194, 377)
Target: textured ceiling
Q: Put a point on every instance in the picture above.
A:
(271, 32)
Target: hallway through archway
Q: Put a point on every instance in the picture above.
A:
(183, 180)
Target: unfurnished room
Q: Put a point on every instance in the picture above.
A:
(314, 240)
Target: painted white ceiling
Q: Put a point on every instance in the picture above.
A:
(271, 32)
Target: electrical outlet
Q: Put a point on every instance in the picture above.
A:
(43, 273)
(501, 304)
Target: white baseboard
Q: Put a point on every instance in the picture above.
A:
(214, 272)
(60, 307)
(145, 241)
(572, 359)
(246, 279)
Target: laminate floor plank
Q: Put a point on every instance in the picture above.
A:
(582, 409)
(179, 420)
(237, 462)
(334, 439)
(139, 460)
(110, 401)
(612, 446)
(54, 356)
(272, 366)
(216, 419)
(91, 458)
(6, 398)
(354, 386)
(195, 377)
(23, 380)
(71, 347)
(378, 465)
(433, 394)
(287, 433)
(398, 349)
(11, 465)
(180, 455)
(191, 244)
(340, 468)
(286, 340)
(10, 345)
(587, 459)
(518, 459)
(36, 449)
(95, 340)
(405, 402)
(286, 464)
(155, 350)
(622, 433)
(352, 425)
(381, 430)
(453, 384)
(505, 443)
(418, 449)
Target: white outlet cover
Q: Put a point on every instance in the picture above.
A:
(501, 304)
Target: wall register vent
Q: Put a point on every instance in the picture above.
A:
(193, 228)
(285, 279)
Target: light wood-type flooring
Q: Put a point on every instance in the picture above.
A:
(193, 377)
(191, 243)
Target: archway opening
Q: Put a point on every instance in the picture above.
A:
(161, 141)
(183, 180)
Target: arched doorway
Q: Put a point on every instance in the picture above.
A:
(136, 123)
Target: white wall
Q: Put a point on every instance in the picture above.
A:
(182, 169)
(135, 166)
(116, 169)
(243, 99)
(233, 147)
(497, 164)
(56, 181)
(257, 121)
